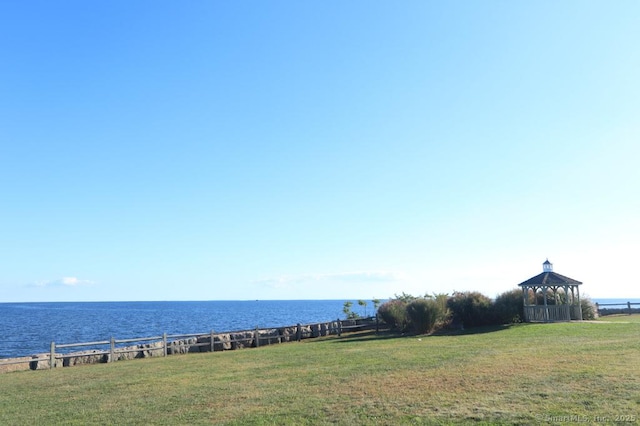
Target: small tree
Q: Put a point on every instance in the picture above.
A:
(376, 304)
(346, 308)
(364, 305)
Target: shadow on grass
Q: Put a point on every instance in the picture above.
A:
(364, 336)
(479, 330)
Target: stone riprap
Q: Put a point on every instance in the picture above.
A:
(200, 343)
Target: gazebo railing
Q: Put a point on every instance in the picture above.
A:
(542, 313)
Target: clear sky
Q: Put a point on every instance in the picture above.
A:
(210, 150)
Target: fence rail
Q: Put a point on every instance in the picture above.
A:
(627, 304)
(167, 344)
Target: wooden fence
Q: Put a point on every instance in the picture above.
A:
(628, 305)
(112, 350)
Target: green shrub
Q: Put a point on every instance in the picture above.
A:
(589, 309)
(404, 297)
(423, 314)
(394, 313)
(443, 310)
(472, 309)
(509, 307)
(427, 314)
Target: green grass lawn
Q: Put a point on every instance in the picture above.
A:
(520, 374)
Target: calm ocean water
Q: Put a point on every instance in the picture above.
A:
(29, 328)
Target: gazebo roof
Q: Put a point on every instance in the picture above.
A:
(549, 278)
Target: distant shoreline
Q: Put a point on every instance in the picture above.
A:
(622, 301)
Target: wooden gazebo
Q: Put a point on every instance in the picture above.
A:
(551, 297)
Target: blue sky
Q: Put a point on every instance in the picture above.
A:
(316, 150)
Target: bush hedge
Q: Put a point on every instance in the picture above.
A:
(589, 309)
(472, 309)
(469, 309)
(394, 313)
(427, 314)
(509, 307)
(419, 314)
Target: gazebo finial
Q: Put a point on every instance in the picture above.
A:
(547, 266)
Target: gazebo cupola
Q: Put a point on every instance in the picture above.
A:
(550, 296)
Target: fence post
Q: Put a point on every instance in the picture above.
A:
(52, 355)
(299, 333)
(212, 347)
(339, 327)
(112, 350)
(164, 344)
(377, 324)
(256, 336)
(629, 306)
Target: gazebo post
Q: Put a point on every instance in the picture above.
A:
(544, 298)
(579, 304)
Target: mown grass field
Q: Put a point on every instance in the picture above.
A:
(522, 374)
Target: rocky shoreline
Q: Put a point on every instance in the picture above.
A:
(198, 343)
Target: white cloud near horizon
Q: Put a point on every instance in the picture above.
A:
(63, 282)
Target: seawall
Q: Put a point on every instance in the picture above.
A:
(196, 343)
